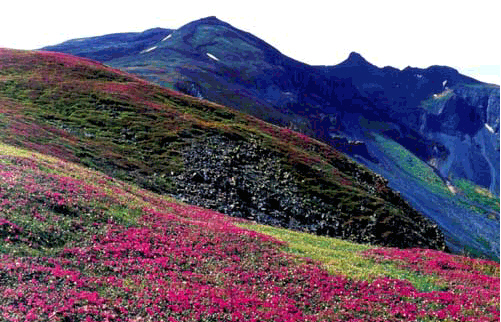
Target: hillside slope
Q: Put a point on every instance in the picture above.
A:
(78, 245)
(446, 124)
(198, 151)
(113, 46)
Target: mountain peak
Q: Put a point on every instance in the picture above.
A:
(356, 58)
(208, 20)
(353, 60)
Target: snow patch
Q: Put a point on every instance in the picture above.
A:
(148, 50)
(212, 56)
(488, 127)
(444, 94)
(444, 83)
(452, 188)
(170, 35)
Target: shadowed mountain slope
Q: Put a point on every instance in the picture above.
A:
(113, 46)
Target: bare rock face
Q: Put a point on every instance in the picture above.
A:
(466, 121)
(242, 179)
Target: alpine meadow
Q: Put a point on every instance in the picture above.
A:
(199, 175)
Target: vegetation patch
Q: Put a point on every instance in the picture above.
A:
(341, 257)
(412, 165)
(486, 202)
(436, 101)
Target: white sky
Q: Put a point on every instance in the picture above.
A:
(460, 34)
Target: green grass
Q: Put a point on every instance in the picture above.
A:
(434, 103)
(341, 257)
(412, 165)
(478, 194)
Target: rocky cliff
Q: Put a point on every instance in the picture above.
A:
(465, 119)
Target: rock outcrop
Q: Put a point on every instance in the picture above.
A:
(242, 179)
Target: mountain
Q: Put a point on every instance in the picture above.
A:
(458, 114)
(433, 133)
(211, 59)
(198, 151)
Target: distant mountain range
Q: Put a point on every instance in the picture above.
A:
(433, 133)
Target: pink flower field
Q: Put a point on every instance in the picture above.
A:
(80, 246)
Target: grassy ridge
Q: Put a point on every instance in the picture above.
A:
(476, 198)
(484, 200)
(411, 164)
